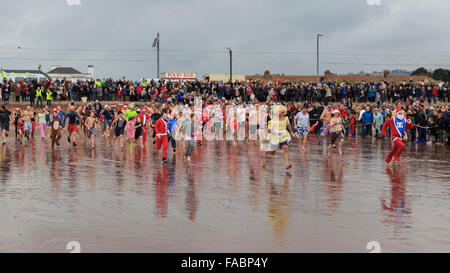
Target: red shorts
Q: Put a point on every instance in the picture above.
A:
(73, 128)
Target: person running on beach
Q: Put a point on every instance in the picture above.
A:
(302, 125)
(173, 124)
(90, 125)
(278, 133)
(325, 118)
(337, 126)
(20, 129)
(130, 129)
(138, 131)
(398, 125)
(108, 115)
(5, 118)
(145, 117)
(28, 126)
(162, 130)
(73, 117)
(42, 121)
(17, 116)
(56, 126)
(119, 125)
(188, 129)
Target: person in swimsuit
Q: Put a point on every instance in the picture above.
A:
(90, 124)
(119, 129)
(336, 131)
(138, 126)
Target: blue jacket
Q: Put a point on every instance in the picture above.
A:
(367, 117)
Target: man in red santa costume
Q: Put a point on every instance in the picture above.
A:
(162, 137)
(398, 125)
(145, 117)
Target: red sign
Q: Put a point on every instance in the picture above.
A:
(178, 76)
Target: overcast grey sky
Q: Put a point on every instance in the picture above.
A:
(116, 36)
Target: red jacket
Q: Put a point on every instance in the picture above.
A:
(394, 132)
(161, 127)
(145, 118)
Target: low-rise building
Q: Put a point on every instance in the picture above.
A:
(71, 74)
(22, 75)
(223, 78)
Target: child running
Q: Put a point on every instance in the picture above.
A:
(119, 129)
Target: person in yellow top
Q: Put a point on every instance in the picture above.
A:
(39, 97)
(49, 95)
(278, 134)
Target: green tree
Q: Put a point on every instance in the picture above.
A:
(441, 74)
(421, 72)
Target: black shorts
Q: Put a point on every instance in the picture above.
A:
(335, 136)
(119, 131)
(4, 125)
(138, 133)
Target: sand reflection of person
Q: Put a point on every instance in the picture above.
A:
(333, 183)
(161, 187)
(397, 178)
(191, 196)
(278, 209)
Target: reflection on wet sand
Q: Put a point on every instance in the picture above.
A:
(278, 209)
(229, 191)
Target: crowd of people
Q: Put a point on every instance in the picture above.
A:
(45, 92)
(188, 122)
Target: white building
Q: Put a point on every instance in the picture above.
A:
(22, 75)
(71, 74)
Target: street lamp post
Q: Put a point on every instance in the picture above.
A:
(231, 64)
(318, 35)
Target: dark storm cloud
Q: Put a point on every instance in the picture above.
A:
(194, 34)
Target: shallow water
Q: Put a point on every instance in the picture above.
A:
(228, 199)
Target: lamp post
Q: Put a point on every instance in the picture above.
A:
(318, 35)
(231, 64)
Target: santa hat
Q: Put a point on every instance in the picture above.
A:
(336, 112)
(17, 108)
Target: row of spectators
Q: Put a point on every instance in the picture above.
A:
(122, 90)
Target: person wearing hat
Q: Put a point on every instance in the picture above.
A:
(378, 120)
(336, 131)
(278, 134)
(145, 117)
(130, 113)
(398, 125)
(162, 131)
